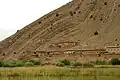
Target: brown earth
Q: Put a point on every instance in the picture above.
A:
(78, 25)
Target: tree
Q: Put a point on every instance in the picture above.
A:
(115, 61)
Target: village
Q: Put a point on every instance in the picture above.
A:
(106, 53)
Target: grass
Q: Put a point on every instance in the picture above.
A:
(59, 73)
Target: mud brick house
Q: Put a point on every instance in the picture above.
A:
(113, 49)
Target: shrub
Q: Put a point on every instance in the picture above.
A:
(99, 62)
(66, 62)
(1, 63)
(20, 63)
(10, 63)
(63, 62)
(88, 65)
(35, 62)
(115, 61)
(60, 64)
(27, 64)
(83, 64)
(77, 64)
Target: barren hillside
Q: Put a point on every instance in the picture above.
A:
(78, 25)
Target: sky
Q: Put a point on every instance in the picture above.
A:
(16, 14)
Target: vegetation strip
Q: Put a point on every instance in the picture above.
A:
(58, 71)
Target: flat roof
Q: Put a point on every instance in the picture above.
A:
(73, 50)
(112, 46)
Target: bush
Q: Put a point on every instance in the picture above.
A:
(115, 61)
(1, 63)
(28, 64)
(99, 62)
(88, 65)
(35, 62)
(77, 64)
(66, 62)
(83, 64)
(10, 63)
(63, 62)
(20, 63)
(60, 64)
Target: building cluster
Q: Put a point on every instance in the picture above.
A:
(98, 52)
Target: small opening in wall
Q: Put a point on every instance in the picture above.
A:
(99, 55)
(48, 53)
(59, 46)
(117, 44)
(36, 55)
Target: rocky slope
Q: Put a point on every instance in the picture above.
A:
(81, 24)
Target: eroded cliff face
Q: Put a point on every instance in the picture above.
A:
(81, 24)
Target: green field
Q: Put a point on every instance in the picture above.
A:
(59, 73)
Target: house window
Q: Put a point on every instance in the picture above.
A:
(99, 55)
(48, 53)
